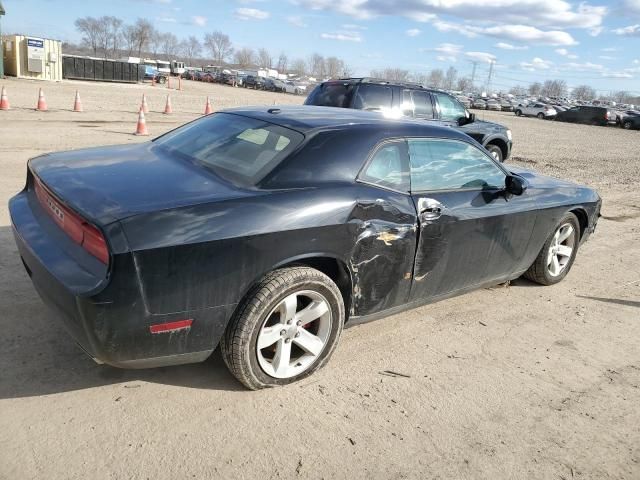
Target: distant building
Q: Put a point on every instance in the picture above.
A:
(32, 57)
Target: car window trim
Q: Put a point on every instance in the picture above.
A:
(469, 189)
(372, 154)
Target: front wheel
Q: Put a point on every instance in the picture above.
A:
(518, 113)
(541, 116)
(495, 151)
(627, 125)
(558, 253)
(286, 328)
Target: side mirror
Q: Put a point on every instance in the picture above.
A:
(515, 184)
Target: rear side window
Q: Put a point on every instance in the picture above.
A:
(331, 95)
(373, 97)
(239, 149)
(387, 167)
(417, 103)
(451, 165)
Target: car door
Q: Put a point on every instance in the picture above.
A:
(417, 104)
(470, 231)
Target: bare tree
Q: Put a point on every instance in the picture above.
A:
(90, 29)
(299, 66)
(169, 45)
(245, 57)
(219, 45)
(334, 67)
(317, 66)
(621, 96)
(391, 74)
(264, 58)
(554, 88)
(436, 78)
(464, 84)
(535, 89)
(584, 93)
(129, 38)
(191, 48)
(518, 90)
(282, 63)
(450, 78)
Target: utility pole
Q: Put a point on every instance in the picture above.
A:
(490, 74)
(473, 72)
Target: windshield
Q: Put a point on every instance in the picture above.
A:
(239, 149)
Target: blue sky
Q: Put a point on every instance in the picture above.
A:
(594, 42)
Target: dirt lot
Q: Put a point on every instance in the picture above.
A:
(518, 382)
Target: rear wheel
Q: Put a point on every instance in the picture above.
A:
(541, 116)
(518, 113)
(286, 328)
(627, 125)
(558, 253)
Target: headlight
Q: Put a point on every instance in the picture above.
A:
(509, 136)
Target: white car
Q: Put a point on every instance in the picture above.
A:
(537, 109)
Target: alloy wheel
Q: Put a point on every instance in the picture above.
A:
(294, 334)
(561, 249)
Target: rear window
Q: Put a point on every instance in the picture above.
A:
(239, 149)
(331, 95)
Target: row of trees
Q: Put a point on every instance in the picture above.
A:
(110, 37)
(436, 78)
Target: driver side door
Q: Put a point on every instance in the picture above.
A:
(470, 231)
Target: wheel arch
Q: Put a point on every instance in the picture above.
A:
(331, 265)
(583, 219)
(500, 143)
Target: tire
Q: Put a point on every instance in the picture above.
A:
(518, 113)
(540, 116)
(259, 316)
(541, 269)
(627, 125)
(495, 151)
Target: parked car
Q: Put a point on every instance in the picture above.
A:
(264, 231)
(537, 109)
(506, 106)
(631, 120)
(412, 100)
(190, 74)
(464, 101)
(622, 115)
(479, 104)
(290, 87)
(255, 82)
(587, 114)
(493, 105)
(152, 73)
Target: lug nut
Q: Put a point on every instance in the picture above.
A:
(287, 340)
(297, 334)
(299, 322)
(283, 333)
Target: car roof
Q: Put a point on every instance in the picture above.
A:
(308, 118)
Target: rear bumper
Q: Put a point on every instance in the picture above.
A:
(107, 316)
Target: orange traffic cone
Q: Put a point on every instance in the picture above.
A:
(141, 127)
(42, 103)
(207, 108)
(144, 106)
(4, 100)
(180, 82)
(169, 81)
(153, 81)
(77, 104)
(167, 108)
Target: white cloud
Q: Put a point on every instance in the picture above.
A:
(413, 32)
(630, 31)
(528, 34)
(481, 56)
(556, 13)
(251, 14)
(583, 67)
(352, 26)
(296, 21)
(167, 20)
(609, 49)
(562, 51)
(199, 20)
(342, 36)
(606, 57)
(630, 7)
(536, 64)
(508, 46)
(617, 75)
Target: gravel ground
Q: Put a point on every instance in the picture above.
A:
(518, 382)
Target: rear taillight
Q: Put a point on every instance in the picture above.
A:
(81, 232)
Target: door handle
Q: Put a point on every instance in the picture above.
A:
(429, 209)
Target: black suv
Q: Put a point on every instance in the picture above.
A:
(587, 114)
(412, 100)
(254, 81)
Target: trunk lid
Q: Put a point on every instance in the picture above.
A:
(106, 184)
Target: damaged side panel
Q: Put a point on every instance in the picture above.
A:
(384, 225)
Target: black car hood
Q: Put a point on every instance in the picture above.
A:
(482, 127)
(110, 183)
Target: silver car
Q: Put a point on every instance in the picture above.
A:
(536, 109)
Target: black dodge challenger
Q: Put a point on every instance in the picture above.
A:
(264, 230)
